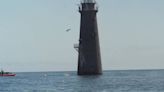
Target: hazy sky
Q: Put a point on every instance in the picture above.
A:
(33, 36)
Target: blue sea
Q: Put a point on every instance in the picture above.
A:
(110, 81)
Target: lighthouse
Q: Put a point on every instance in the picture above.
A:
(89, 56)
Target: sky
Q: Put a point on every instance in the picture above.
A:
(33, 36)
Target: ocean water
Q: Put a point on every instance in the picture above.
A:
(110, 81)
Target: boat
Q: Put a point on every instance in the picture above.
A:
(2, 73)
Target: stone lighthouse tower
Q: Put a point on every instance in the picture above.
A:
(89, 58)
